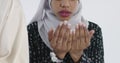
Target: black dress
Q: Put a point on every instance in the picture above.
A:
(40, 53)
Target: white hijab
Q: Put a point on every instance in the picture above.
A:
(13, 33)
(46, 19)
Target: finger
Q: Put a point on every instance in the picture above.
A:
(69, 45)
(56, 34)
(50, 34)
(57, 31)
(77, 32)
(58, 40)
(59, 43)
(61, 37)
(66, 37)
(78, 36)
(73, 35)
(53, 43)
(87, 38)
(91, 33)
(73, 40)
(82, 35)
(52, 39)
(70, 36)
(63, 29)
(69, 41)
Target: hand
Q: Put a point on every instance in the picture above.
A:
(59, 40)
(80, 41)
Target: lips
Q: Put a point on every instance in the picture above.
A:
(64, 13)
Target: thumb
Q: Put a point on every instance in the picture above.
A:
(50, 34)
(91, 32)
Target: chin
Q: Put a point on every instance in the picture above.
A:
(64, 18)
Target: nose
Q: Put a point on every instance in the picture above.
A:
(65, 3)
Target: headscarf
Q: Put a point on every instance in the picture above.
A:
(46, 19)
(13, 33)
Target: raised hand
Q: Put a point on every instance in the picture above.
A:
(80, 41)
(60, 40)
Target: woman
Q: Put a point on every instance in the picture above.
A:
(59, 33)
(13, 33)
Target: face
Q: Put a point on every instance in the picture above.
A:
(64, 9)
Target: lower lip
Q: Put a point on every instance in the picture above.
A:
(64, 14)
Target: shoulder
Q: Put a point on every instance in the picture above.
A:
(93, 26)
(33, 33)
(32, 27)
(97, 29)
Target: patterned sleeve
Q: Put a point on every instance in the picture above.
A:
(95, 53)
(32, 53)
(38, 51)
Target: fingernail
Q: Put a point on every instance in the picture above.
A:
(65, 22)
(69, 25)
(84, 25)
(60, 23)
(80, 24)
(51, 29)
(77, 26)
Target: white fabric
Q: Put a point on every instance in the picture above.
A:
(46, 19)
(54, 58)
(13, 33)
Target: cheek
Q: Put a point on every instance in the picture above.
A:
(55, 7)
(74, 7)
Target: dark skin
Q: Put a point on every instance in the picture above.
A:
(64, 41)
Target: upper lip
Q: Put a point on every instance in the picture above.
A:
(64, 11)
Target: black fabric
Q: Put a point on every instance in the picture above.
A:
(40, 53)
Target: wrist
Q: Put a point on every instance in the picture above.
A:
(60, 56)
(76, 56)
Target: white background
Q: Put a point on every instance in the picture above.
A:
(106, 13)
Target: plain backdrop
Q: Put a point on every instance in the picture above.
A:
(106, 13)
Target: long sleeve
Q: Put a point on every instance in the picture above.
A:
(38, 51)
(32, 50)
(94, 53)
